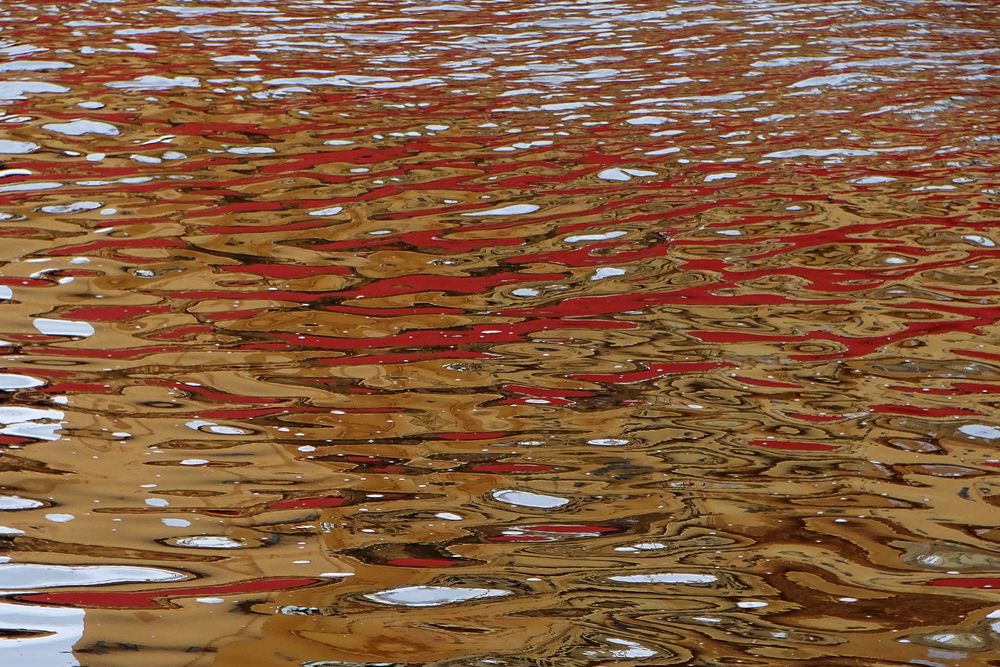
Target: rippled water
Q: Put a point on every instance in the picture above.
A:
(518, 333)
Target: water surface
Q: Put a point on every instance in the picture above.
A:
(520, 333)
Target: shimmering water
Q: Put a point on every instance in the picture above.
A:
(520, 333)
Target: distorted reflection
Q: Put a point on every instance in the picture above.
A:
(478, 332)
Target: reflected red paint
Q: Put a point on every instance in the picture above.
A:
(975, 388)
(392, 470)
(766, 383)
(793, 446)
(856, 347)
(213, 395)
(393, 329)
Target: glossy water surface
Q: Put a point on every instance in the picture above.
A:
(478, 332)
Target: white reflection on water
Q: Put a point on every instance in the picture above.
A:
(21, 576)
(433, 596)
(58, 628)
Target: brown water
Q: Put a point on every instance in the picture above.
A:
(514, 333)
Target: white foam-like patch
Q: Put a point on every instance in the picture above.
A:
(33, 65)
(980, 431)
(633, 650)
(78, 128)
(209, 542)
(821, 152)
(719, 177)
(438, 8)
(31, 423)
(16, 90)
(513, 209)
(212, 427)
(751, 604)
(20, 576)
(980, 240)
(648, 120)
(74, 207)
(352, 80)
(774, 118)
(30, 187)
(13, 382)
(664, 151)
(155, 82)
(607, 442)
(252, 150)
(786, 62)
(53, 632)
(529, 499)
(837, 80)
(577, 238)
(15, 503)
(333, 210)
(607, 272)
(666, 578)
(433, 596)
(236, 59)
(9, 147)
(194, 462)
(617, 174)
(63, 327)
